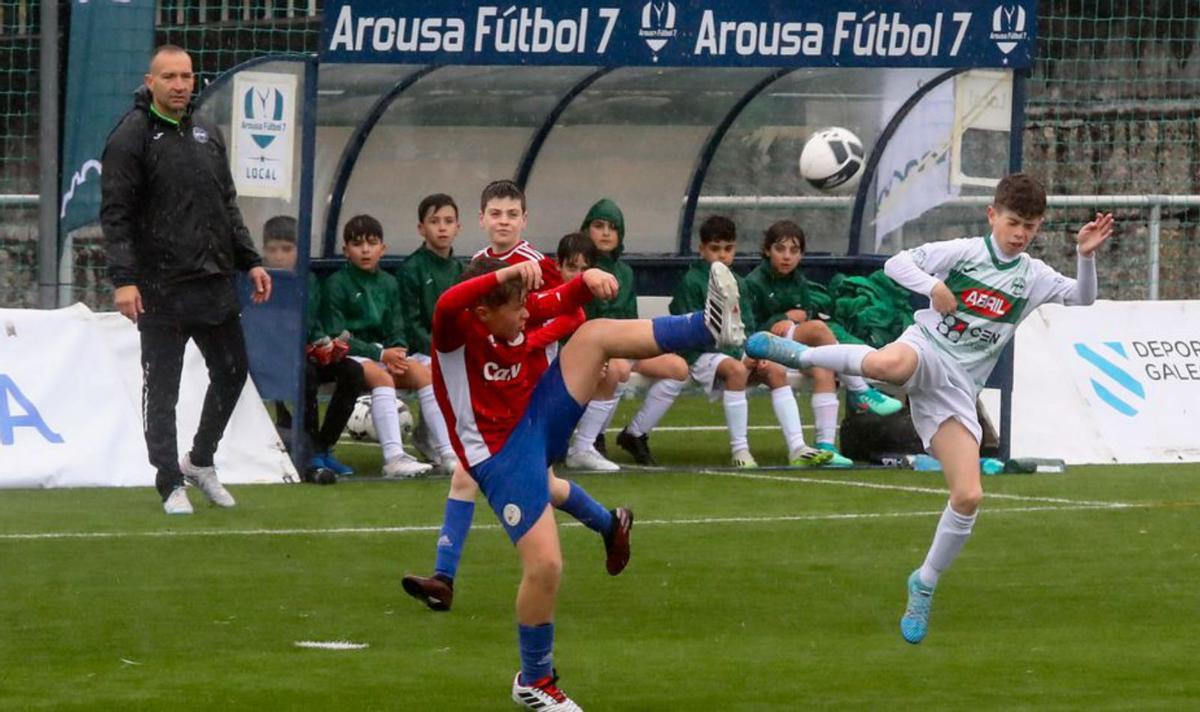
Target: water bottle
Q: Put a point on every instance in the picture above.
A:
(991, 466)
(926, 463)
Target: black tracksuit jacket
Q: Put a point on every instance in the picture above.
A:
(170, 216)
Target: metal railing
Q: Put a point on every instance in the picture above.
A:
(1156, 203)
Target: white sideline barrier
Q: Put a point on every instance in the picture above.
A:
(1116, 382)
(75, 377)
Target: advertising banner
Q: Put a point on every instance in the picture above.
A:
(264, 134)
(1116, 382)
(675, 33)
(71, 407)
(109, 53)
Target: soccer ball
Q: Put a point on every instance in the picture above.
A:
(832, 160)
(361, 425)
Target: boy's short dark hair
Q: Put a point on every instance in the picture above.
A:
(502, 293)
(576, 243)
(361, 226)
(717, 228)
(779, 231)
(501, 189)
(1023, 194)
(434, 203)
(281, 228)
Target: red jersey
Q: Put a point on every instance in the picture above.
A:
(483, 385)
(525, 252)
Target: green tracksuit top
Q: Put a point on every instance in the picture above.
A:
(691, 292)
(312, 313)
(366, 304)
(775, 294)
(625, 305)
(423, 276)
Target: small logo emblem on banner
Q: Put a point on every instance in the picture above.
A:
(1008, 27)
(1113, 384)
(658, 25)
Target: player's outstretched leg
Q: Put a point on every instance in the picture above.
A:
(914, 624)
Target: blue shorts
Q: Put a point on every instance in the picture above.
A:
(514, 480)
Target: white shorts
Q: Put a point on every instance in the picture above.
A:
(704, 371)
(938, 390)
(422, 359)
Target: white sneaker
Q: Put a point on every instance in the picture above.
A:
(590, 459)
(543, 696)
(723, 309)
(206, 479)
(422, 440)
(177, 502)
(404, 467)
(743, 459)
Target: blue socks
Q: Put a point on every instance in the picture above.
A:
(685, 332)
(456, 523)
(591, 513)
(537, 651)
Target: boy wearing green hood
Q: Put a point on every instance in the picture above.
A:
(605, 225)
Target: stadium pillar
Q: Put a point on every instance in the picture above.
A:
(48, 158)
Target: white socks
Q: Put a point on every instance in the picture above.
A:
(825, 412)
(788, 415)
(431, 413)
(952, 532)
(387, 421)
(839, 358)
(737, 417)
(659, 398)
(592, 423)
(854, 384)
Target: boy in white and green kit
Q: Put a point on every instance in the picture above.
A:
(979, 288)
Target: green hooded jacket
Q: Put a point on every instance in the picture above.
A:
(691, 292)
(625, 305)
(423, 276)
(366, 304)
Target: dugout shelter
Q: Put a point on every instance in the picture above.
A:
(673, 109)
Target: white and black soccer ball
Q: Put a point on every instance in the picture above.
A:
(361, 425)
(832, 160)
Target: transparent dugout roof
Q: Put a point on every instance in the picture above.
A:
(388, 135)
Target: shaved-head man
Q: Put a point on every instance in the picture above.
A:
(176, 241)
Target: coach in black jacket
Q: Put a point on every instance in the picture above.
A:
(176, 241)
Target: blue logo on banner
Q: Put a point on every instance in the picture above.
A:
(31, 418)
(1122, 388)
(263, 105)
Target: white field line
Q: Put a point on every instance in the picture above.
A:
(337, 531)
(908, 488)
(347, 440)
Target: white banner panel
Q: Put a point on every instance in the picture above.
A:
(1113, 382)
(264, 134)
(70, 407)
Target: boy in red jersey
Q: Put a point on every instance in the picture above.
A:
(503, 216)
(490, 333)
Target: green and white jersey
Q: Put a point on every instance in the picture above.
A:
(993, 296)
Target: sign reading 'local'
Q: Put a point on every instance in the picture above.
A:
(849, 33)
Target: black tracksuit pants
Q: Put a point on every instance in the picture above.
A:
(224, 350)
(347, 377)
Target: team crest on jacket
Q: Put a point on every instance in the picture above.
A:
(199, 134)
